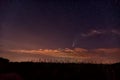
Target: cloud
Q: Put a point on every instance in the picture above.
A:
(52, 51)
(116, 32)
(67, 50)
(48, 52)
(80, 50)
(63, 52)
(91, 33)
(97, 32)
(76, 55)
(107, 50)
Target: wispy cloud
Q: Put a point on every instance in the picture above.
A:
(115, 32)
(97, 32)
(91, 33)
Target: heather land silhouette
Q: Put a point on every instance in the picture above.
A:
(57, 71)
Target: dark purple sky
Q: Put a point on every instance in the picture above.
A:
(34, 24)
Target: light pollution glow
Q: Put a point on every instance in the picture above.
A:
(76, 55)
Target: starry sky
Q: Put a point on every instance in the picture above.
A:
(35, 24)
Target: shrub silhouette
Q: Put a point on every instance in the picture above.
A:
(3, 60)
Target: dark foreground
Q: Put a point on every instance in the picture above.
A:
(57, 71)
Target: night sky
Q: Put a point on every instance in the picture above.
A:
(35, 24)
